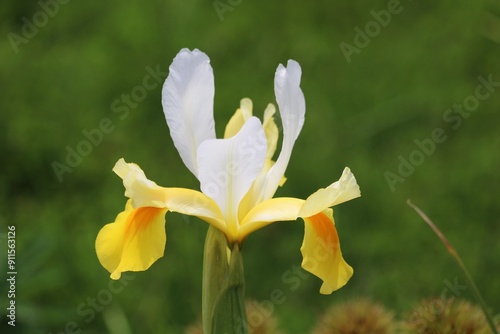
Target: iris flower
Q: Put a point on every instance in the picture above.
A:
(238, 177)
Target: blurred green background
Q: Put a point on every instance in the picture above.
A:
(364, 114)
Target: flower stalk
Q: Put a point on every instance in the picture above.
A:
(223, 300)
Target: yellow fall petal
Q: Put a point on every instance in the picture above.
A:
(141, 190)
(146, 193)
(345, 189)
(268, 212)
(320, 249)
(134, 241)
(194, 203)
(321, 252)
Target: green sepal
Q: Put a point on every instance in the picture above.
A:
(223, 302)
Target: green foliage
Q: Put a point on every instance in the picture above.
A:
(364, 114)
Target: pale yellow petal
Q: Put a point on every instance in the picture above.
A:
(270, 211)
(345, 189)
(133, 242)
(146, 193)
(271, 130)
(321, 252)
(246, 107)
(239, 118)
(138, 187)
(194, 203)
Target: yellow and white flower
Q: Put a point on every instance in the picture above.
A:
(237, 176)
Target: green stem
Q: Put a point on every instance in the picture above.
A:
(457, 258)
(223, 301)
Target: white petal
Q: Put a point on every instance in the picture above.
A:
(188, 99)
(290, 98)
(228, 167)
(292, 108)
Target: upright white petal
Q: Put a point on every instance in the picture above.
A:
(228, 167)
(292, 108)
(188, 99)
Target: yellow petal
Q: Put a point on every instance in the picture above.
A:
(145, 193)
(239, 118)
(270, 211)
(321, 252)
(194, 203)
(345, 189)
(141, 190)
(271, 130)
(134, 241)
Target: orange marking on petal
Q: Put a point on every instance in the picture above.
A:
(325, 229)
(140, 218)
